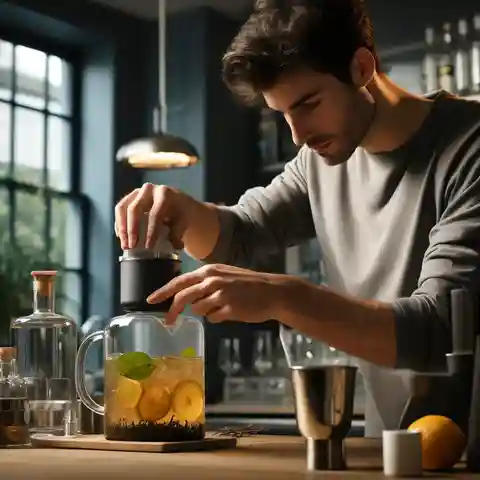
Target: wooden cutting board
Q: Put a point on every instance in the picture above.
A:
(98, 442)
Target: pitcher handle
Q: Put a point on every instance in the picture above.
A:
(82, 391)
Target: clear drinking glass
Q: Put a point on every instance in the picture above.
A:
(13, 403)
(263, 355)
(301, 350)
(229, 356)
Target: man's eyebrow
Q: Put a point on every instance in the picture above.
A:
(303, 99)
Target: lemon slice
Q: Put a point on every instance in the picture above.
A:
(187, 401)
(155, 403)
(128, 392)
(118, 414)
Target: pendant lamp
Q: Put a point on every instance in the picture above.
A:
(161, 150)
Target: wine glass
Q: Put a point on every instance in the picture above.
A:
(229, 356)
(263, 356)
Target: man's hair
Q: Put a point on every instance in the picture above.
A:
(283, 36)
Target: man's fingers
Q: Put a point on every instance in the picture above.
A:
(186, 297)
(121, 217)
(221, 314)
(157, 215)
(200, 296)
(177, 231)
(208, 304)
(174, 286)
(141, 204)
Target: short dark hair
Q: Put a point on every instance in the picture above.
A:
(281, 36)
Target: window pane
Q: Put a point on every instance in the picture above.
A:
(30, 223)
(59, 85)
(30, 69)
(69, 295)
(66, 234)
(28, 146)
(5, 130)
(288, 149)
(58, 147)
(268, 137)
(6, 70)
(4, 216)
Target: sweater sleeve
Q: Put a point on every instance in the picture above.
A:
(266, 219)
(451, 261)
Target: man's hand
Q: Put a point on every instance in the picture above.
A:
(191, 224)
(364, 329)
(221, 292)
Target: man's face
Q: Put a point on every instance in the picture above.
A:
(329, 116)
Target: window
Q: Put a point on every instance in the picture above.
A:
(41, 209)
(275, 141)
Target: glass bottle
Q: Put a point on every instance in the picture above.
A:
(447, 60)
(46, 345)
(430, 61)
(475, 55)
(154, 387)
(462, 59)
(13, 403)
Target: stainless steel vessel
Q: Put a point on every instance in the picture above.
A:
(324, 408)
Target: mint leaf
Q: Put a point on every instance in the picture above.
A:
(189, 352)
(142, 372)
(135, 365)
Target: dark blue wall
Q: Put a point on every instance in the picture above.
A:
(201, 109)
(115, 55)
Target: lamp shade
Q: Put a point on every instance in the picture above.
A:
(161, 151)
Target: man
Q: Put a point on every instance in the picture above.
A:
(388, 182)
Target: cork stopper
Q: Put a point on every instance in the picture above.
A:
(44, 281)
(7, 354)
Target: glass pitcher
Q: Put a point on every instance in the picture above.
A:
(154, 387)
(154, 378)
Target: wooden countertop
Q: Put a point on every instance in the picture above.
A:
(262, 457)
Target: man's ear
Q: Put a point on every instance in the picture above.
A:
(362, 67)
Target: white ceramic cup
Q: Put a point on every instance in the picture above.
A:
(402, 453)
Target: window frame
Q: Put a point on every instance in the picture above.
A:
(74, 194)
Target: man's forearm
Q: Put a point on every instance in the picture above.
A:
(202, 229)
(364, 329)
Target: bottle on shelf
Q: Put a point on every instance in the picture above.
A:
(462, 60)
(46, 345)
(446, 69)
(475, 56)
(430, 62)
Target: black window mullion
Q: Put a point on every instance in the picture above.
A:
(49, 194)
(11, 172)
(47, 198)
(32, 108)
(75, 126)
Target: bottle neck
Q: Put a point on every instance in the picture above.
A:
(43, 296)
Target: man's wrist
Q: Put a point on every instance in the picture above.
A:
(364, 329)
(289, 293)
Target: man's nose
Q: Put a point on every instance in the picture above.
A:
(299, 134)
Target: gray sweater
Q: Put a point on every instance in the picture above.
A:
(400, 226)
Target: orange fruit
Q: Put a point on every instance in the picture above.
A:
(155, 402)
(187, 401)
(443, 442)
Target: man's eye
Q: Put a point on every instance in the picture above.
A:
(312, 105)
(309, 106)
